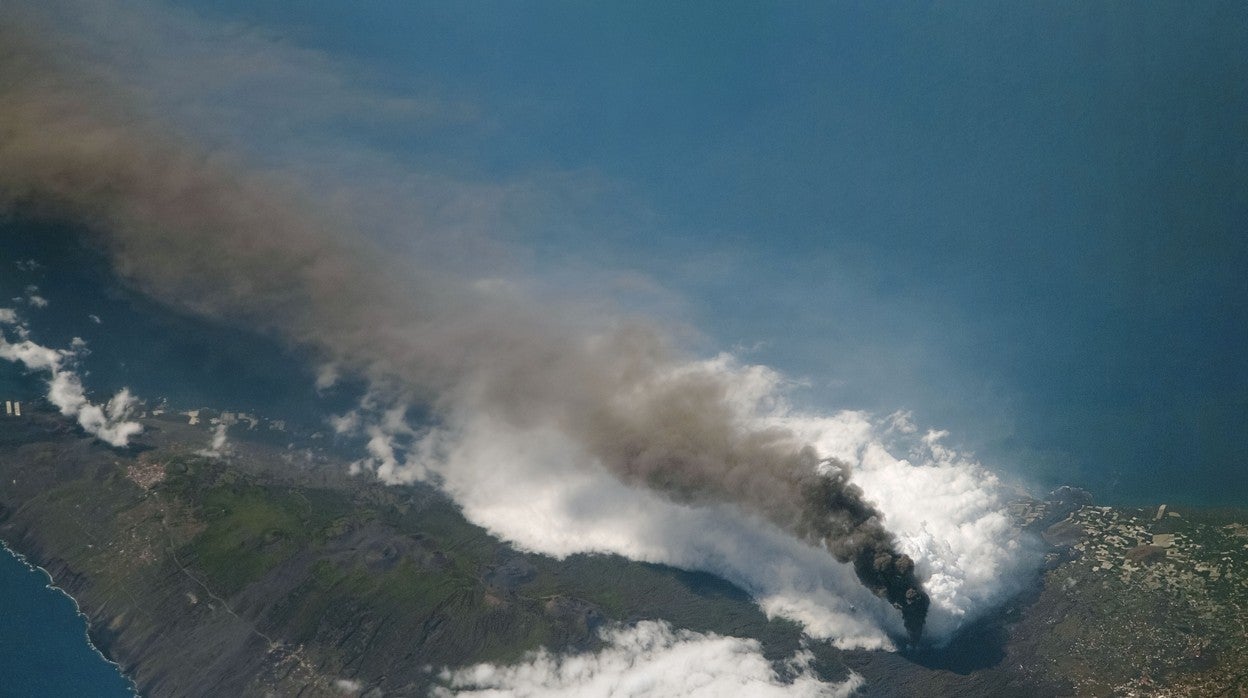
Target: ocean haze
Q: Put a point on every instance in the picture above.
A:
(139, 342)
(900, 227)
(562, 403)
(730, 289)
(1025, 223)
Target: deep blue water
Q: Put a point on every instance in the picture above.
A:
(141, 344)
(1027, 222)
(43, 644)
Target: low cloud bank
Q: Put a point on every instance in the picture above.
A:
(110, 422)
(653, 660)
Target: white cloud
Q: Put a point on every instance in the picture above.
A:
(8, 316)
(327, 376)
(649, 659)
(949, 515)
(348, 686)
(901, 422)
(345, 424)
(110, 423)
(220, 445)
(537, 489)
(516, 456)
(34, 356)
(34, 299)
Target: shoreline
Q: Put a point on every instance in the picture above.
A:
(86, 620)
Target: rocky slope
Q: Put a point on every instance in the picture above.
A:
(272, 572)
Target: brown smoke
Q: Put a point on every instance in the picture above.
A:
(200, 232)
(852, 531)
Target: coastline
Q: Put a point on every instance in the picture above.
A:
(82, 510)
(86, 621)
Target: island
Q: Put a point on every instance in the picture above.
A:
(273, 571)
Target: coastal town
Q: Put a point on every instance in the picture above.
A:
(1140, 601)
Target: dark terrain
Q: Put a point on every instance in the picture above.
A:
(272, 570)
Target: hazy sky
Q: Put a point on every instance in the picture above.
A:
(1028, 223)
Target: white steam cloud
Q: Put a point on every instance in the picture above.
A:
(110, 422)
(650, 659)
(556, 426)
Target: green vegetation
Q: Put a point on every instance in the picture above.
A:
(248, 529)
(269, 583)
(248, 534)
(378, 566)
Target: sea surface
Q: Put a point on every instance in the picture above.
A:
(44, 650)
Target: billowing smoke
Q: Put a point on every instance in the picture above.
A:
(202, 232)
(839, 517)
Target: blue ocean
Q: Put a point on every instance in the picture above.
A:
(44, 649)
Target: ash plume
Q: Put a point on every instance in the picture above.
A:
(201, 232)
(852, 530)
